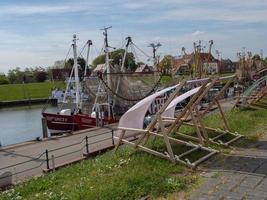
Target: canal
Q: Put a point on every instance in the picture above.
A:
(20, 124)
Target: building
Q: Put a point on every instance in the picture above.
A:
(205, 62)
(227, 66)
(100, 68)
(144, 68)
(181, 66)
(60, 74)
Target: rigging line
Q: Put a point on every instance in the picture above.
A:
(137, 57)
(102, 50)
(95, 50)
(82, 49)
(123, 44)
(137, 99)
(141, 50)
(68, 53)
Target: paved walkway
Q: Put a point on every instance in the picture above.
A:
(99, 138)
(240, 175)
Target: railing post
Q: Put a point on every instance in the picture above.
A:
(53, 163)
(87, 144)
(47, 159)
(44, 127)
(112, 135)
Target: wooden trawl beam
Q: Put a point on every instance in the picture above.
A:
(159, 121)
(199, 116)
(162, 109)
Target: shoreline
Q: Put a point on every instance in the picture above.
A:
(25, 102)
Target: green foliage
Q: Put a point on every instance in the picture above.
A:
(166, 64)
(29, 90)
(40, 76)
(29, 75)
(256, 57)
(116, 57)
(15, 75)
(81, 63)
(167, 80)
(3, 79)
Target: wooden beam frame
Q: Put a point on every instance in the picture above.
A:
(200, 115)
(165, 132)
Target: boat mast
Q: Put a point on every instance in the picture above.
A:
(107, 65)
(129, 41)
(89, 43)
(76, 73)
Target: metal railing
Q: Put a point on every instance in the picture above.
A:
(49, 155)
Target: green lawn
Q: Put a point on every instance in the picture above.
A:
(26, 91)
(129, 174)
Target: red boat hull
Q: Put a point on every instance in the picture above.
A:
(57, 123)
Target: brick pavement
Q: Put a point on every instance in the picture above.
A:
(240, 175)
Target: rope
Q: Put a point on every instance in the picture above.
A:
(141, 51)
(137, 99)
(82, 49)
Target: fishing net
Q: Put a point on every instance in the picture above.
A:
(125, 89)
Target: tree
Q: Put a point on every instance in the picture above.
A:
(39, 74)
(3, 79)
(166, 64)
(265, 62)
(256, 57)
(16, 75)
(59, 64)
(81, 62)
(116, 56)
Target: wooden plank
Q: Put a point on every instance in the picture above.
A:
(159, 113)
(201, 124)
(196, 126)
(178, 122)
(166, 140)
(119, 140)
(223, 116)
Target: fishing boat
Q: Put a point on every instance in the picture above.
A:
(73, 119)
(110, 93)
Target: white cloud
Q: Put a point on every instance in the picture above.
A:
(197, 33)
(166, 21)
(134, 6)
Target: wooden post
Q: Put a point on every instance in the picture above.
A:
(226, 126)
(44, 128)
(166, 140)
(200, 122)
(196, 126)
(97, 117)
(53, 163)
(119, 140)
(218, 95)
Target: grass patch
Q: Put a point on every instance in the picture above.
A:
(132, 174)
(30, 90)
(128, 174)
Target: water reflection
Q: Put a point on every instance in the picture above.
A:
(19, 124)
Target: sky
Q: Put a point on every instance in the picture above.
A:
(37, 33)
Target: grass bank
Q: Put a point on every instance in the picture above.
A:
(27, 91)
(129, 174)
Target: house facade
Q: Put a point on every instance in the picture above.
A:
(205, 62)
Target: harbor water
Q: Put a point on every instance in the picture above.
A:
(20, 124)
